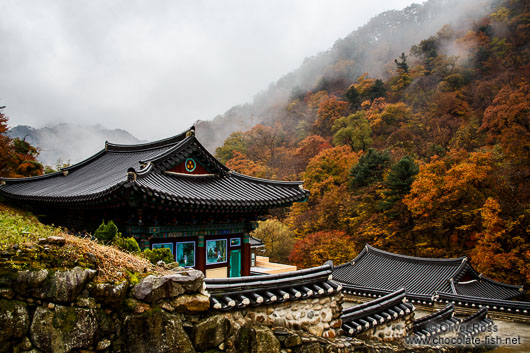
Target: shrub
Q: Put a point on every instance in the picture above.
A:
(127, 244)
(106, 232)
(156, 255)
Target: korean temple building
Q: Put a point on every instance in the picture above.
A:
(169, 193)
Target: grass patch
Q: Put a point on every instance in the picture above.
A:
(18, 227)
(19, 250)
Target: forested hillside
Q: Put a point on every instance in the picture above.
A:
(427, 155)
(370, 48)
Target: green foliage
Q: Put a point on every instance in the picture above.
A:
(352, 95)
(277, 237)
(353, 130)
(18, 228)
(369, 169)
(402, 65)
(376, 90)
(235, 142)
(106, 232)
(127, 244)
(399, 180)
(160, 254)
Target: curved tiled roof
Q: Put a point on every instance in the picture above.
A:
(378, 272)
(375, 268)
(91, 178)
(362, 317)
(239, 292)
(107, 171)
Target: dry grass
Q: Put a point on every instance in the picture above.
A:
(19, 228)
(112, 263)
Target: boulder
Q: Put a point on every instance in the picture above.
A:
(155, 331)
(63, 329)
(254, 338)
(53, 240)
(14, 322)
(109, 294)
(65, 286)
(152, 288)
(27, 281)
(211, 332)
(191, 303)
(61, 287)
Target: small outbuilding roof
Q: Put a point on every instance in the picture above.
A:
(378, 272)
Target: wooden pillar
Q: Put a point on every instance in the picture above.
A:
(245, 256)
(201, 255)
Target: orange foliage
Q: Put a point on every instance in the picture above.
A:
(241, 164)
(317, 248)
(329, 111)
(446, 198)
(507, 119)
(499, 252)
(17, 157)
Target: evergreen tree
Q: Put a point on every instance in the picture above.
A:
(369, 169)
(400, 177)
(402, 64)
(377, 90)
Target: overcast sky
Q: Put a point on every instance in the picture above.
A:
(155, 67)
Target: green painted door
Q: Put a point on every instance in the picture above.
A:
(235, 263)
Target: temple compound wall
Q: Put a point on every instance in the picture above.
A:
(66, 311)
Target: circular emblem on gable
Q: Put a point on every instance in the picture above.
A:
(190, 165)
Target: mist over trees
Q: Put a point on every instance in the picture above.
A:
(426, 155)
(371, 48)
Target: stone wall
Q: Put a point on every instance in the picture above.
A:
(318, 316)
(65, 311)
(49, 311)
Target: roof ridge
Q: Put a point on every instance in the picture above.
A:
(500, 283)
(59, 172)
(266, 181)
(115, 147)
(370, 248)
(162, 154)
(189, 142)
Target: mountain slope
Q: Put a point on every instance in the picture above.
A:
(371, 48)
(70, 143)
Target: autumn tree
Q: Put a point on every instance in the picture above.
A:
(445, 200)
(502, 250)
(506, 120)
(307, 149)
(328, 112)
(17, 157)
(277, 237)
(241, 164)
(317, 248)
(326, 178)
(354, 131)
(235, 142)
